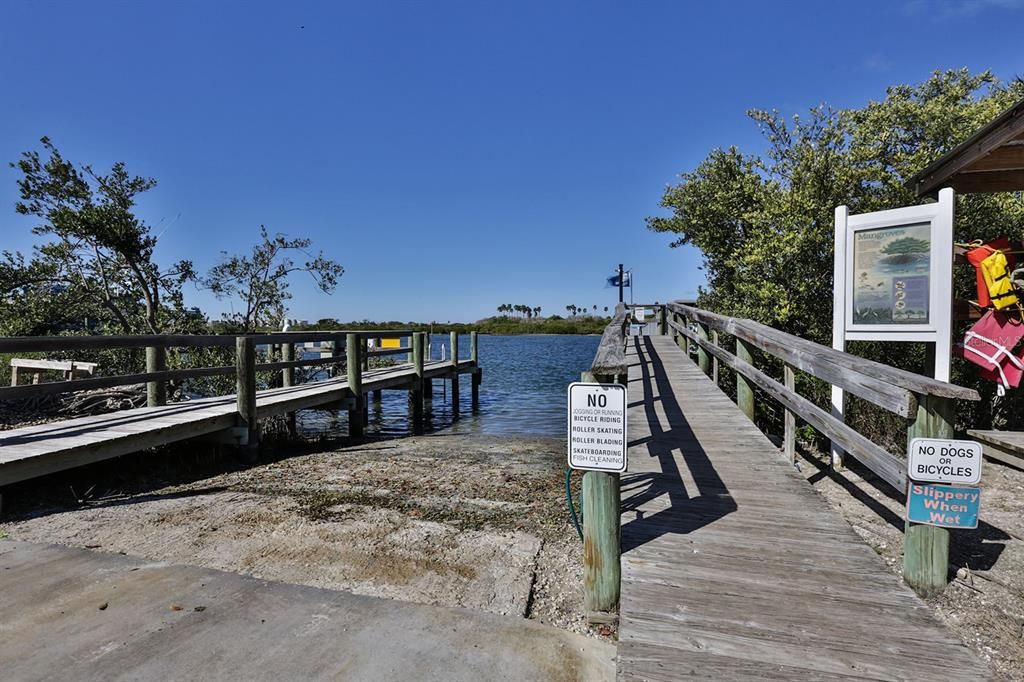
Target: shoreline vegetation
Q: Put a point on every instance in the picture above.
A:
(497, 325)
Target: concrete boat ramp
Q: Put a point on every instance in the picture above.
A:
(78, 614)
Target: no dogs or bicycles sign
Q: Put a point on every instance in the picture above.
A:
(597, 427)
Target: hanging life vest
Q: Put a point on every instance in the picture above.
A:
(990, 343)
(976, 257)
(996, 272)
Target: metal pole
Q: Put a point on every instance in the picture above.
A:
(620, 283)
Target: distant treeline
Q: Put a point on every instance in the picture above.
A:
(490, 325)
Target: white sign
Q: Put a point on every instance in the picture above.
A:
(597, 427)
(937, 460)
(892, 281)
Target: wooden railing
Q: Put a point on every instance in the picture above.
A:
(927, 405)
(345, 346)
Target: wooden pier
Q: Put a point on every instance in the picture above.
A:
(726, 564)
(41, 449)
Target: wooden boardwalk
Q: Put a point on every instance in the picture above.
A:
(37, 450)
(734, 568)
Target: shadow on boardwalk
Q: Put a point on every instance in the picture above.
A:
(684, 514)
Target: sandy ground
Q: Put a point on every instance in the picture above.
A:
(984, 604)
(445, 519)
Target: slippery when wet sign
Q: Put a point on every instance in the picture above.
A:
(948, 506)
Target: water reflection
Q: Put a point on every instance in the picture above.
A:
(523, 391)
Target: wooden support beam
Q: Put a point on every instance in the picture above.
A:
(416, 392)
(156, 361)
(789, 437)
(245, 394)
(288, 380)
(454, 343)
(926, 548)
(602, 570)
(474, 355)
(354, 366)
(714, 359)
(703, 357)
(744, 386)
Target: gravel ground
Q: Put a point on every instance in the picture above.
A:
(444, 519)
(984, 604)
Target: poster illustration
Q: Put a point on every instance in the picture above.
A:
(891, 268)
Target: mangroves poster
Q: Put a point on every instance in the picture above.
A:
(891, 269)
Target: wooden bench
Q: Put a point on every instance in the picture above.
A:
(69, 368)
(1004, 446)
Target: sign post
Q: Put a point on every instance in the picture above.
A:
(893, 273)
(597, 444)
(933, 457)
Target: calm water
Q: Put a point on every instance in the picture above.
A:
(523, 390)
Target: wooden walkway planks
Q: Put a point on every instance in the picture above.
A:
(43, 448)
(734, 568)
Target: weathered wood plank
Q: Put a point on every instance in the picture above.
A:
(815, 354)
(734, 568)
(888, 467)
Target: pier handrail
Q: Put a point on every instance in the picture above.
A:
(610, 360)
(912, 396)
(156, 374)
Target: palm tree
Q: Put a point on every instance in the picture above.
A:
(536, 311)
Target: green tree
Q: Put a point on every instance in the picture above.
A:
(764, 223)
(96, 266)
(260, 280)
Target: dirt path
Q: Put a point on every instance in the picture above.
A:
(444, 520)
(984, 605)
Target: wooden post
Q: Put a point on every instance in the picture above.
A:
(474, 355)
(602, 572)
(245, 393)
(377, 393)
(156, 361)
(789, 437)
(714, 360)
(703, 357)
(14, 376)
(454, 343)
(288, 373)
(745, 387)
(680, 339)
(354, 366)
(416, 393)
(663, 321)
(288, 379)
(926, 548)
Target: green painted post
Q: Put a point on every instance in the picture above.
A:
(926, 548)
(245, 394)
(156, 361)
(744, 387)
(416, 392)
(714, 360)
(454, 343)
(703, 357)
(354, 367)
(789, 436)
(602, 571)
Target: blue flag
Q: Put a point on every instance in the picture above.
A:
(613, 281)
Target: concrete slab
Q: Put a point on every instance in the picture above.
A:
(77, 614)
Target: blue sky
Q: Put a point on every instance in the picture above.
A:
(451, 155)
